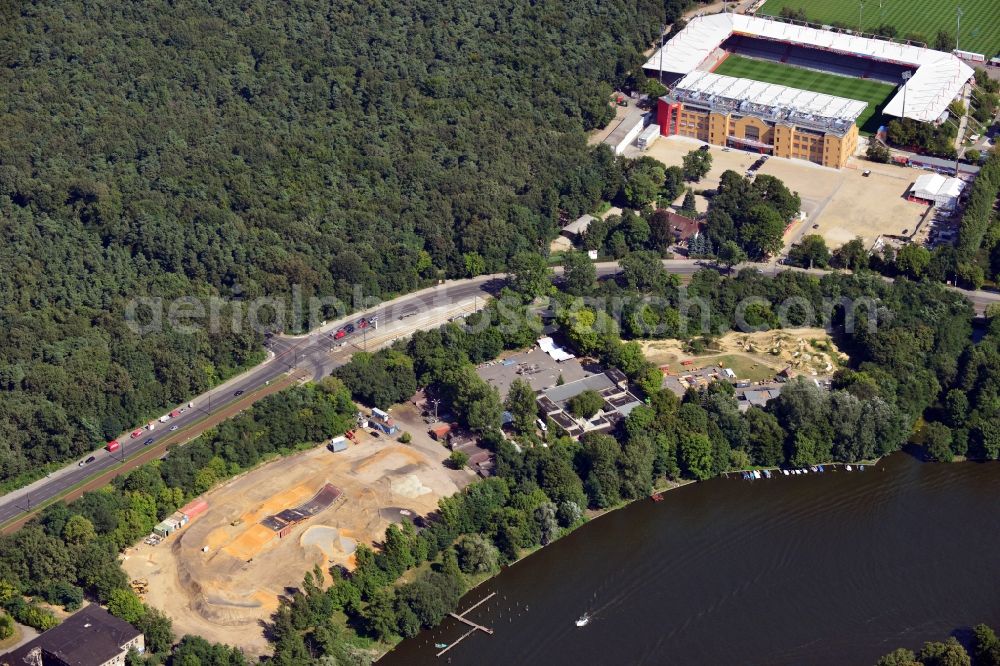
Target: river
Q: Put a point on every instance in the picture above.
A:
(835, 568)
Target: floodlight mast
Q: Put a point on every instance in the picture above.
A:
(906, 77)
(958, 24)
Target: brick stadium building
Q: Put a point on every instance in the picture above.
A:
(768, 118)
(783, 121)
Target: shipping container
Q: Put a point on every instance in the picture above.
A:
(113, 446)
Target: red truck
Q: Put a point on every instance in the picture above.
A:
(136, 433)
(113, 446)
(174, 414)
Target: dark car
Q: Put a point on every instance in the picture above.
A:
(89, 460)
(148, 442)
(174, 427)
(704, 147)
(238, 393)
(376, 433)
(349, 328)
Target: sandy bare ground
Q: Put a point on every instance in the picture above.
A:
(223, 575)
(844, 203)
(755, 356)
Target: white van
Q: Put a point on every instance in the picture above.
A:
(542, 425)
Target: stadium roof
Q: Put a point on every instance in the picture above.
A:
(769, 100)
(771, 94)
(938, 78)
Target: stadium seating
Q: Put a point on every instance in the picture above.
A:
(814, 59)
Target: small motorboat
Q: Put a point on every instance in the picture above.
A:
(861, 468)
(584, 620)
(848, 468)
(756, 474)
(820, 468)
(440, 645)
(785, 472)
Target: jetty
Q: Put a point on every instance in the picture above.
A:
(475, 627)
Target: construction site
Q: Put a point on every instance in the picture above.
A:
(222, 574)
(754, 356)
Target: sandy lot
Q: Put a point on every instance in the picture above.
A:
(842, 202)
(223, 574)
(755, 356)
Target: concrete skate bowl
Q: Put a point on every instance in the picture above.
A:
(334, 543)
(399, 514)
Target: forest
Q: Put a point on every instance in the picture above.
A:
(236, 149)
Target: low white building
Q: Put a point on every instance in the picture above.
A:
(936, 189)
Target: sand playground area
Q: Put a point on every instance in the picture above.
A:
(222, 576)
(754, 356)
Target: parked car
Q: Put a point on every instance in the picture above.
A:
(866, 173)
(349, 328)
(339, 334)
(703, 147)
(362, 323)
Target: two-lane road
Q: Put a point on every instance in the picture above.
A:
(317, 354)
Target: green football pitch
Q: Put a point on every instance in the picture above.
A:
(980, 18)
(873, 92)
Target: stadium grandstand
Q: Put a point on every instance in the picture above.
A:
(935, 78)
(765, 117)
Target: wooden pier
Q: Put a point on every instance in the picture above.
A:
(475, 627)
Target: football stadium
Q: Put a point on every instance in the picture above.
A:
(793, 90)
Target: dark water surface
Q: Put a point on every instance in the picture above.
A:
(836, 568)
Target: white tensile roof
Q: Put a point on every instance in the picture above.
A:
(938, 78)
(772, 95)
(934, 185)
(557, 353)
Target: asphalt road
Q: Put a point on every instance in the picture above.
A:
(318, 354)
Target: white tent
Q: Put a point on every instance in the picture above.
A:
(558, 354)
(938, 189)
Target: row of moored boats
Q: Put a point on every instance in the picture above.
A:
(750, 475)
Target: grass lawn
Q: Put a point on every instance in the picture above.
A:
(873, 92)
(980, 24)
